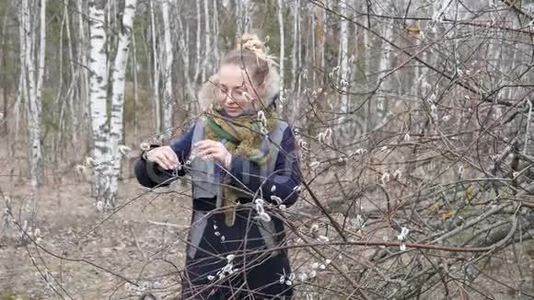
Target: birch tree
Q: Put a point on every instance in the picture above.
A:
(242, 17)
(83, 88)
(344, 70)
(295, 63)
(33, 82)
(184, 52)
(206, 65)
(155, 68)
(167, 72)
(384, 66)
(98, 80)
(282, 46)
(198, 38)
(117, 97)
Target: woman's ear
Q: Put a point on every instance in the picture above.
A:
(262, 102)
(262, 89)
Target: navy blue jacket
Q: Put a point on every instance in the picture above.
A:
(286, 176)
(210, 240)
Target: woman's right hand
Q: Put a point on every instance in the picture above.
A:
(164, 156)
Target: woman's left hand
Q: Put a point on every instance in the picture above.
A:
(209, 149)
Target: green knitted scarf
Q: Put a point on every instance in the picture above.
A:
(242, 136)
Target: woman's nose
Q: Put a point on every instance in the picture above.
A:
(229, 99)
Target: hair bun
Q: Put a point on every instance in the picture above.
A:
(251, 42)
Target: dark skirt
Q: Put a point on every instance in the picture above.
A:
(230, 262)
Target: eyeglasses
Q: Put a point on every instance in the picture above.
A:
(238, 93)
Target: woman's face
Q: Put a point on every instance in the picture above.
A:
(234, 91)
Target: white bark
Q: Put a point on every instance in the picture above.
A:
(22, 92)
(242, 17)
(167, 72)
(155, 70)
(282, 49)
(344, 69)
(216, 57)
(135, 85)
(295, 63)
(82, 57)
(184, 54)
(42, 52)
(198, 43)
(247, 22)
(206, 65)
(324, 18)
(34, 79)
(117, 97)
(384, 66)
(312, 10)
(60, 101)
(98, 80)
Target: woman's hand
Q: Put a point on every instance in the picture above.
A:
(164, 156)
(209, 149)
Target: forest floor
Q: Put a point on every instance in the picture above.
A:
(86, 254)
(100, 250)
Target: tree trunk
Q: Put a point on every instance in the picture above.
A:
(344, 71)
(282, 49)
(216, 34)
(98, 80)
(34, 87)
(155, 71)
(242, 17)
(206, 66)
(166, 130)
(184, 54)
(117, 97)
(384, 66)
(84, 105)
(135, 86)
(198, 43)
(295, 72)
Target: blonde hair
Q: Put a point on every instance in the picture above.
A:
(251, 54)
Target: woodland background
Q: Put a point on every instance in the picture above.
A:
(414, 119)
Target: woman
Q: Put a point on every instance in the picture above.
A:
(244, 167)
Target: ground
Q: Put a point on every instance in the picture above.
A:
(86, 254)
(101, 251)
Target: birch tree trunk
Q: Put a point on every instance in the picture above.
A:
(155, 70)
(216, 33)
(34, 81)
(198, 43)
(184, 54)
(384, 66)
(346, 128)
(84, 106)
(98, 80)
(117, 97)
(247, 21)
(135, 85)
(242, 17)
(324, 19)
(294, 51)
(344, 71)
(313, 50)
(73, 80)
(22, 91)
(206, 65)
(282, 46)
(167, 72)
